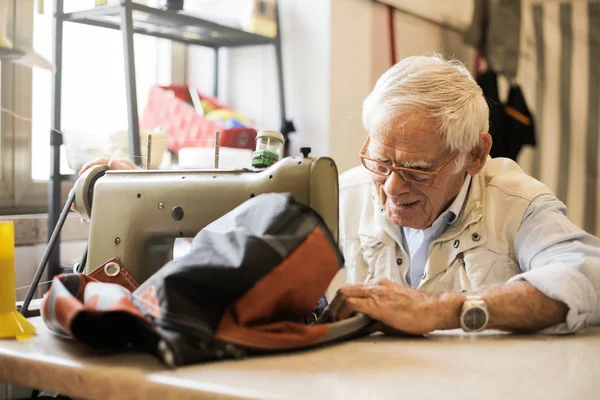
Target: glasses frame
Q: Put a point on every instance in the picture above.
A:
(400, 170)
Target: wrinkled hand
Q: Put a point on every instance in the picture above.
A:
(116, 164)
(399, 309)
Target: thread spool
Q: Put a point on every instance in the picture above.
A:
(12, 324)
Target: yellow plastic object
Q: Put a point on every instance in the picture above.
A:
(261, 26)
(224, 114)
(12, 324)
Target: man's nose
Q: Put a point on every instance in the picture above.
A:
(396, 185)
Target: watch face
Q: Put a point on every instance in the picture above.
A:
(474, 318)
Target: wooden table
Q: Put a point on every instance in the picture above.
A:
(445, 365)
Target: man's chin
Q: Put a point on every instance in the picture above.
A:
(406, 221)
(404, 215)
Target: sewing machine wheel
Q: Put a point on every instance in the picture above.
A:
(85, 190)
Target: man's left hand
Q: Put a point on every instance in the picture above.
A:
(398, 308)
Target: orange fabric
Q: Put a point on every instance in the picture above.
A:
(263, 318)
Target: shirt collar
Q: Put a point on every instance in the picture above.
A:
(454, 210)
(449, 216)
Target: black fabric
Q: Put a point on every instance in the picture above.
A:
(226, 259)
(488, 81)
(520, 133)
(508, 133)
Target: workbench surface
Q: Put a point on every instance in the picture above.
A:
(444, 365)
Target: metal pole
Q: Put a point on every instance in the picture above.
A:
(279, 59)
(51, 244)
(149, 151)
(129, 59)
(216, 82)
(54, 184)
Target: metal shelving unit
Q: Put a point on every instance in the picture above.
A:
(130, 18)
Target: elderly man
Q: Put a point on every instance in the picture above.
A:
(436, 235)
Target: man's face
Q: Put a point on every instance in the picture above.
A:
(414, 143)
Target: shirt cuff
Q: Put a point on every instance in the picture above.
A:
(564, 283)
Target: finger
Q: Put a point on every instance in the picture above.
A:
(97, 161)
(383, 282)
(127, 162)
(73, 204)
(359, 290)
(331, 310)
(119, 165)
(350, 306)
(325, 317)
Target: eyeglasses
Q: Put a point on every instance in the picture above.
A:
(411, 175)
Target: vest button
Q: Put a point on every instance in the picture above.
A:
(399, 261)
(476, 236)
(456, 243)
(423, 276)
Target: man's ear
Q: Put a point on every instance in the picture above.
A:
(478, 156)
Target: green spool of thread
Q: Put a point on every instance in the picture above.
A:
(269, 145)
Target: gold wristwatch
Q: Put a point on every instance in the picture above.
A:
(474, 316)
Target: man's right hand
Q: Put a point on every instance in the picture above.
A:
(117, 164)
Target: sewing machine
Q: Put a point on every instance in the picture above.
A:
(136, 215)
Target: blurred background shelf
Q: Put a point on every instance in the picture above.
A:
(166, 24)
(132, 18)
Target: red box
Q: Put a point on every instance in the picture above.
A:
(168, 108)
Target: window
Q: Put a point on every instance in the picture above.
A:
(93, 96)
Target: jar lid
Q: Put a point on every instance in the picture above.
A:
(270, 134)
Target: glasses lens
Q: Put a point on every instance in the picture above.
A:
(417, 177)
(376, 167)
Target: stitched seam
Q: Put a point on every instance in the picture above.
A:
(520, 194)
(129, 280)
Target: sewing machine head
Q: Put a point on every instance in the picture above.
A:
(135, 216)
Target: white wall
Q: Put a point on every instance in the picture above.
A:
(27, 259)
(326, 48)
(414, 36)
(249, 75)
(351, 82)
(333, 50)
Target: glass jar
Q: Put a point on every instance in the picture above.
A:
(269, 148)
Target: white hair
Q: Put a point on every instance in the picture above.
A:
(431, 87)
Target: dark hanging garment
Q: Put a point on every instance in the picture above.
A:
(518, 124)
(488, 81)
(511, 124)
(248, 286)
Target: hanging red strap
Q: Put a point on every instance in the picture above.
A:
(392, 34)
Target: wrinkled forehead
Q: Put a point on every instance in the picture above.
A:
(408, 137)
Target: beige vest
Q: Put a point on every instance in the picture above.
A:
(475, 252)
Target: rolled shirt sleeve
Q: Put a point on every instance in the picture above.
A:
(560, 260)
